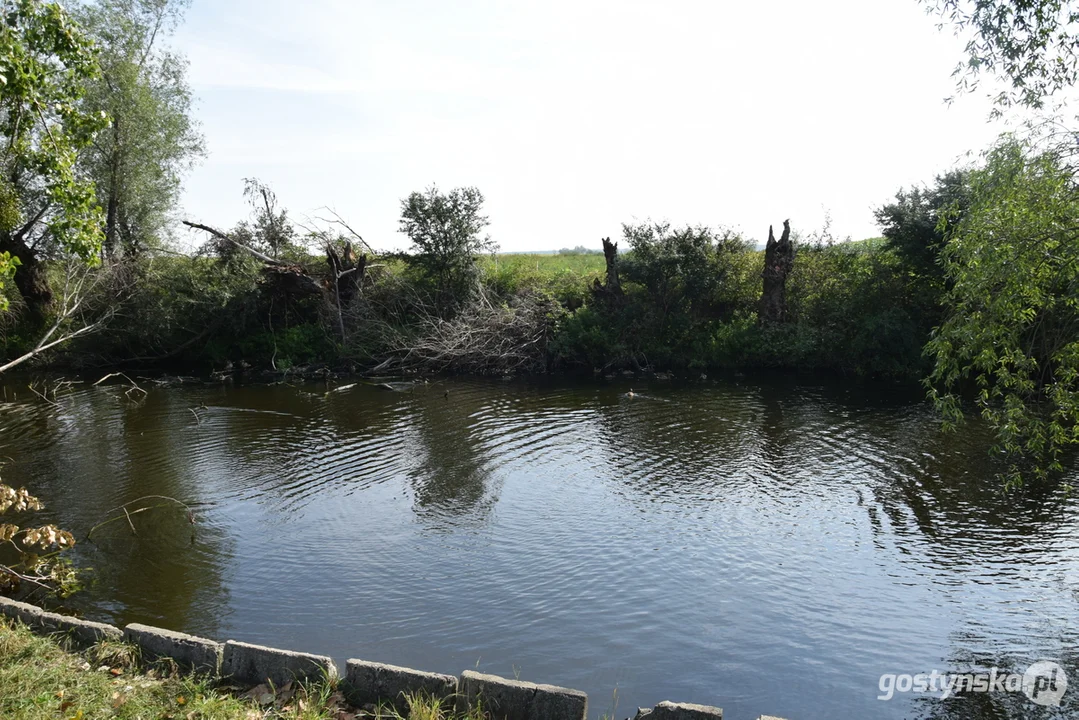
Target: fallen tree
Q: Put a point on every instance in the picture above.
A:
(288, 275)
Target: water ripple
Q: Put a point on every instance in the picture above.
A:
(765, 547)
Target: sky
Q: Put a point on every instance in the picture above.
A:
(573, 118)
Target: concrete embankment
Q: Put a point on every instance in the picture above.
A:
(365, 683)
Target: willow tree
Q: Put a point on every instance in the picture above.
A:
(1032, 45)
(1010, 340)
(44, 63)
(139, 161)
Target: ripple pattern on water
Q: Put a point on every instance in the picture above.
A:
(765, 547)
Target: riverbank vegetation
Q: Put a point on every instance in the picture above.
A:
(32, 555)
(41, 680)
(971, 287)
(686, 300)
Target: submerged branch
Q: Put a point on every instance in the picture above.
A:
(127, 514)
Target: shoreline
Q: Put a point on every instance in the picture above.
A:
(366, 685)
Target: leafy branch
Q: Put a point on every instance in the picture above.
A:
(36, 549)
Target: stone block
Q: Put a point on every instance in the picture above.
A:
(188, 651)
(256, 664)
(504, 699)
(375, 683)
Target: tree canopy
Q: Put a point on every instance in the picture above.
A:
(1033, 45)
(445, 229)
(46, 63)
(912, 223)
(1011, 336)
(137, 164)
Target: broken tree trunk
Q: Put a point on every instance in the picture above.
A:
(348, 270)
(612, 288)
(610, 254)
(778, 261)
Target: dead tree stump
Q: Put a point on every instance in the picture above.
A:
(610, 254)
(612, 288)
(347, 272)
(778, 261)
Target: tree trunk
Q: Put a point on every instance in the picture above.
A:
(30, 277)
(778, 261)
(114, 193)
(110, 224)
(610, 254)
(348, 271)
(611, 290)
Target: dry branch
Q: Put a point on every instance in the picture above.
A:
(227, 238)
(74, 294)
(279, 269)
(171, 501)
(483, 338)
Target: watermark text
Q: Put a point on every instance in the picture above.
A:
(1044, 683)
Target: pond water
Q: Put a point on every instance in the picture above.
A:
(765, 546)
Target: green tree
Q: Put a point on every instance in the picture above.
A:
(1033, 45)
(855, 307)
(911, 225)
(682, 269)
(445, 232)
(152, 140)
(270, 229)
(46, 206)
(1011, 335)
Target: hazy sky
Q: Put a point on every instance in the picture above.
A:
(574, 117)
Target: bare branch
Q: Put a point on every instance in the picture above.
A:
(482, 338)
(243, 246)
(338, 220)
(42, 348)
(74, 281)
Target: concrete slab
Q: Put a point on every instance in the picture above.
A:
(504, 699)
(27, 613)
(82, 633)
(375, 683)
(189, 651)
(255, 664)
(667, 710)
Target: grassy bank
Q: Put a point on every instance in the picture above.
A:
(40, 680)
